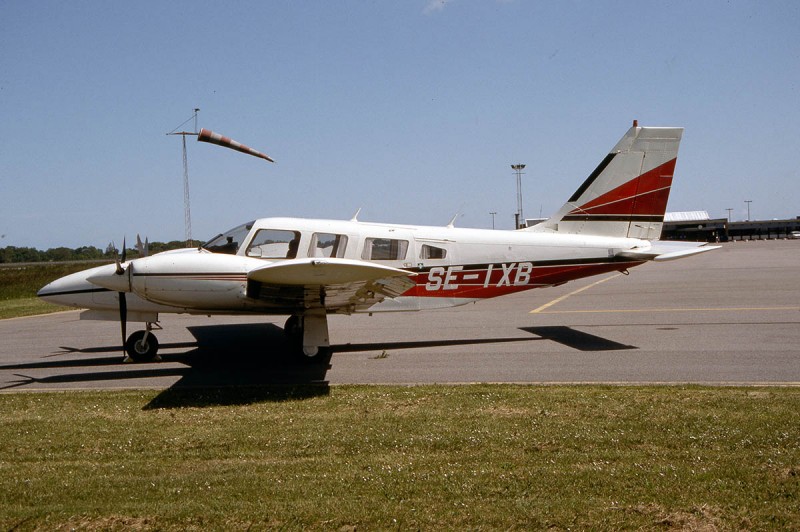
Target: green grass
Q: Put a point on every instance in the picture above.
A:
(19, 284)
(29, 306)
(461, 457)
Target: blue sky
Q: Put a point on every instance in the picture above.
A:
(411, 110)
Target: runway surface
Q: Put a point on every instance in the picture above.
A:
(731, 316)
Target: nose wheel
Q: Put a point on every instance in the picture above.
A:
(142, 346)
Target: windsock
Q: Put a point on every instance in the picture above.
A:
(215, 138)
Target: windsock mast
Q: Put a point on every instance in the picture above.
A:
(187, 215)
(205, 135)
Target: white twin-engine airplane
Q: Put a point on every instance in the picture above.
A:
(308, 269)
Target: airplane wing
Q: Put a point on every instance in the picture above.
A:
(662, 250)
(336, 284)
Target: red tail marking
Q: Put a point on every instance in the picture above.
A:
(646, 194)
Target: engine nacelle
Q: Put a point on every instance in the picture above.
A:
(193, 280)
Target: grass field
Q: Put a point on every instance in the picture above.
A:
(19, 284)
(474, 457)
(480, 457)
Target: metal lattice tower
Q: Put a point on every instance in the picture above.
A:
(187, 214)
(187, 211)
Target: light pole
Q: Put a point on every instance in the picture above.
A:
(729, 214)
(518, 170)
(748, 201)
(493, 213)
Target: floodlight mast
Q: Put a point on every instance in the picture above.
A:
(518, 215)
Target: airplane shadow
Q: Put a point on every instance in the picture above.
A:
(575, 339)
(227, 364)
(251, 363)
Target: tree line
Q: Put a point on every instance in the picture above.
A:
(11, 254)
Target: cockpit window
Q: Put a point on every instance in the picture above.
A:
(229, 241)
(274, 244)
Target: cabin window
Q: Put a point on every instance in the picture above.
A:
(274, 244)
(432, 252)
(384, 249)
(327, 245)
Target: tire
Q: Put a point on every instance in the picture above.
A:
(293, 329)
(141, 352)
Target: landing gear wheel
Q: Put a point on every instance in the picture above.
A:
(308, 337)
(141, 348)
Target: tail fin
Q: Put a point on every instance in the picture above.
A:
(626, 195)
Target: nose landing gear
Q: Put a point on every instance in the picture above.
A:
(142, 346)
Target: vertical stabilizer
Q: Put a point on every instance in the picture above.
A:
(626, 195)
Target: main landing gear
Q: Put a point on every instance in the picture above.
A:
(142, 346)
(308, 335)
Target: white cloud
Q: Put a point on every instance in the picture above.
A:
(434, 6)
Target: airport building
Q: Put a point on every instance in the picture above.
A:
(698, 226)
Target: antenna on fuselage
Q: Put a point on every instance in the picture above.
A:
(355, 216)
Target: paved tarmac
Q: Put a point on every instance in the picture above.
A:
(731, 316)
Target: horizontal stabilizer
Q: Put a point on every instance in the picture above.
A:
(660, 250)
(322, 272)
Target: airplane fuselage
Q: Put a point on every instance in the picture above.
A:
(451, 266)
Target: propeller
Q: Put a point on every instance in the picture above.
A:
(123, 304)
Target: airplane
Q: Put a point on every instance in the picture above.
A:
(307, 269)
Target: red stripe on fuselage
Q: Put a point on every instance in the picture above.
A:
(497, 280)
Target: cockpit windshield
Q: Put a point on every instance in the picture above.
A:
(229, 241)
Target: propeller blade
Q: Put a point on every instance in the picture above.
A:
(120, 269)
(123, 318)
(123, 302)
